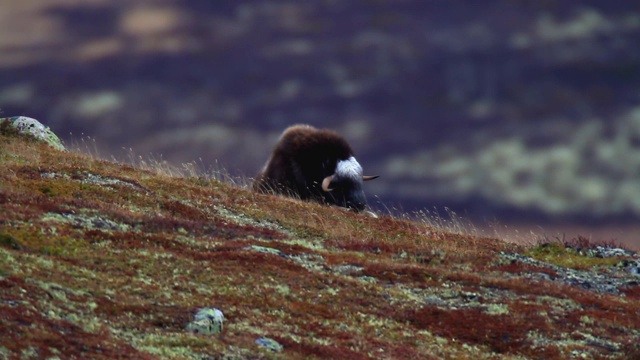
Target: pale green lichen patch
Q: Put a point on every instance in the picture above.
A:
(7, 262)
(266, 250)
(86, 221)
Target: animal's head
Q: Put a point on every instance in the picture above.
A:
(344, 186)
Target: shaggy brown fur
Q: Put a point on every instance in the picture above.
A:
(305, 156)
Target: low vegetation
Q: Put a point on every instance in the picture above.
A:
(100, 259)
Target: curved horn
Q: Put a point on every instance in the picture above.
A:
(367, 177)
(326, 182)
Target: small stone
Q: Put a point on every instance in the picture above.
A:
(208, 321)
(269, 344)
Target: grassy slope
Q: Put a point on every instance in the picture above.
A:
(104, 260)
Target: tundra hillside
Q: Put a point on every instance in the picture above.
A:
(104, 260)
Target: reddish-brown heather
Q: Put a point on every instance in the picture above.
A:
(632, 291)
(500, 333)
(105, 260)
(394, 273)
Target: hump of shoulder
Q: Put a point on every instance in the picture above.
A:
(298, 130)
(305, 140)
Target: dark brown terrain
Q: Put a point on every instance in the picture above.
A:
(103, 260)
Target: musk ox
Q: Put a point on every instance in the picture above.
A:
(316, 165)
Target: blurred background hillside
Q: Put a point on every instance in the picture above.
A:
(510, 112)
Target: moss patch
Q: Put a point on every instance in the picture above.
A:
(568, 257)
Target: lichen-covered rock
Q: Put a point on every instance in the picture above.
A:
(27, 125)
(208, 321)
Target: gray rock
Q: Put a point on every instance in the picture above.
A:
(269, 344)
(607, 252)
(33, 127)
(208, 321)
